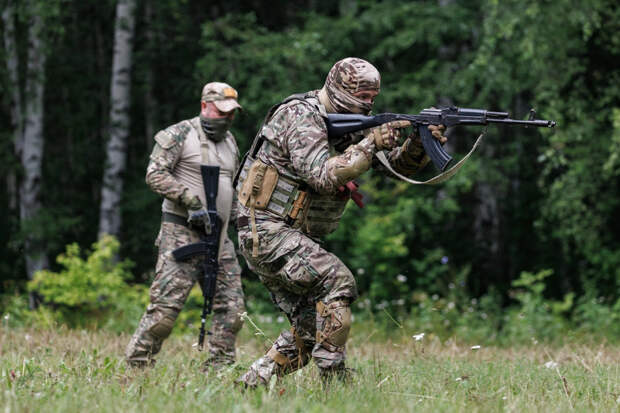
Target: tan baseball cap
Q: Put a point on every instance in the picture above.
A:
(222, 95)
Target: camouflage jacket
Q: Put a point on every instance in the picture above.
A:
(174, 168)
(296, 143)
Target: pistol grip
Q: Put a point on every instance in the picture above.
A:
(433, 149)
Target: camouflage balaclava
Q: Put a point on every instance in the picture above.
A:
(349, 76)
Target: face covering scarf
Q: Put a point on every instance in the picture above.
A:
(215, 129)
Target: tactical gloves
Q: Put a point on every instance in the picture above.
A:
(437, 132)
(190, 201)
(199, 219)
(385, 136)
(198, 215)
(413, 144)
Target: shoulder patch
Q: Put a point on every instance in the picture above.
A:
(173, 135)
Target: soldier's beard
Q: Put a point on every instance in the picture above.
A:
(215, 128)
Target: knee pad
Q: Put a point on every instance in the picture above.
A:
(336, 323)
(162, 328)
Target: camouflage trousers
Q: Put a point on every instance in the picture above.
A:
(313, 288)
(170, 289)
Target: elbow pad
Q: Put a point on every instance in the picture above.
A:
(356, 160)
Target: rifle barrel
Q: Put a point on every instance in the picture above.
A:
(538, 123)
(497, 114)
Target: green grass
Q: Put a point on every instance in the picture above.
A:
(69, 371)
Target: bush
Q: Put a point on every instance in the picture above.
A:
(92, 291)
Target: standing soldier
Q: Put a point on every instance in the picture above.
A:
(174, 173)
(292, 190)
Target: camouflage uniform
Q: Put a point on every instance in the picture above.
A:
(174, 172)
(309, 284)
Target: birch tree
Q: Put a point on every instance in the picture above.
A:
(27, 118)
(10, 46)
(112, 189)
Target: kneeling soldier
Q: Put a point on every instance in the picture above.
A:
(292, 190)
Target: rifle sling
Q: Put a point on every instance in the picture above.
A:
(442, 177)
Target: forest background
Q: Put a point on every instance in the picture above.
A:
(523, 242)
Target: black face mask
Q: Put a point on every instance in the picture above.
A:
(215, 129)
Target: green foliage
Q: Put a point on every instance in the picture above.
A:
(528, 199)
(16, 313)
(534, 316)
(91, 290)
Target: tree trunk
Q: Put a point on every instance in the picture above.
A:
(27, 118)
(10, 47)
(112, 189)
(149, 96)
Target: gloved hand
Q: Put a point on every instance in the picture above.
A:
(190, 201)
(437, 132)
(387, 135)
(199, 219)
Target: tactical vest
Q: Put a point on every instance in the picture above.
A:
(287, 197)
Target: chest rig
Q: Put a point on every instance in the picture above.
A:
(261, 187)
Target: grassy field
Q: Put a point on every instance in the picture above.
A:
(70, 371)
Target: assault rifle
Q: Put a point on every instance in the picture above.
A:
(339, 125)
(207, 247)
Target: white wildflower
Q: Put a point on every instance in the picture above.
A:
(280, 319)
(418, 337)
(551, 364)
(6, 317)
(476, 347)
(360, 271)
(451, 305)
(401, 278)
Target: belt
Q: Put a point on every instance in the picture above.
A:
(174, 219)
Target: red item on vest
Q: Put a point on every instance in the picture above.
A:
(349, 190)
